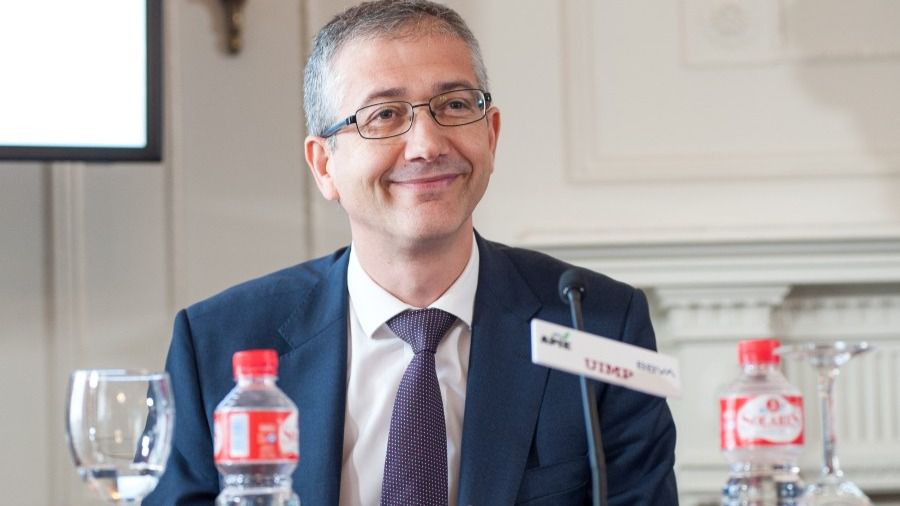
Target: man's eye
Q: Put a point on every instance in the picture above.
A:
(384, 114)
(458, 105)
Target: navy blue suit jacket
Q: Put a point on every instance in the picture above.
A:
(523, 438)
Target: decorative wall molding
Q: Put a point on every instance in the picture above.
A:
(613, 136)
(730, 313)
(729, 32)
(866, 313)
(741, 263)
(580, 235)
(68, 293)
(603, 167)
(173, 153)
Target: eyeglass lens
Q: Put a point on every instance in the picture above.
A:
(388, 119)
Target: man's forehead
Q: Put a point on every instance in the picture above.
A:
(402, 68)
(405, 92)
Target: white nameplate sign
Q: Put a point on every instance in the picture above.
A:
(604, 359)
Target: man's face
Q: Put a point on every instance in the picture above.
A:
(424, 184)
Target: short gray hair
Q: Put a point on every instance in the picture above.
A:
(380, 18)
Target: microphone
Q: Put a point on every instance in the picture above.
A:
(572, 292)
(571, 288)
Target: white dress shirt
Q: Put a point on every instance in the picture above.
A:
(376, 361)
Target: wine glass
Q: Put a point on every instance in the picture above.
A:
(831, 489)
(119, 427)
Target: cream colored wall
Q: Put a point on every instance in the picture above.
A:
(96, 258)
(693, 120)
(731, 158)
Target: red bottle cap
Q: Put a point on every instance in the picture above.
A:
(758, 351)
(255, 363)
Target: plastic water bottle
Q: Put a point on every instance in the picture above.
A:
(256, 439)
(761, 425)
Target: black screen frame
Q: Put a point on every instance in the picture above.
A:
(152, 152)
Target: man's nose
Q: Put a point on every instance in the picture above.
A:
(426, 139)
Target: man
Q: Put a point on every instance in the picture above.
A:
(403, 135)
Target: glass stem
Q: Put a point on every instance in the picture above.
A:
(831, 465)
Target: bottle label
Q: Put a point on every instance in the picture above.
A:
(762, 420)
(256, 436)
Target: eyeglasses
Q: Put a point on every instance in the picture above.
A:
(390, 119)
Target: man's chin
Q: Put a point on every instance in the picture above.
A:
(440, 231)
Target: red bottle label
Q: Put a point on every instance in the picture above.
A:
(255, 436)
(762, 420)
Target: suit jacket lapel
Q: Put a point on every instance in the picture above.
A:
(314, 374)
(503, 393)
(504, 389)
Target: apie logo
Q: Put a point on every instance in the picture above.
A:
(557, 339)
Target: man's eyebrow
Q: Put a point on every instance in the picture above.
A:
(452, 85)
(383, 94)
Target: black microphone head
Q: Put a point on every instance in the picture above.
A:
(572, 279)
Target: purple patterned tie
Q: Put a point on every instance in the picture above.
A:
(415, 470)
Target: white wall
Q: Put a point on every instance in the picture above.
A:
(737, 160)
(23, 316)
(97, 258)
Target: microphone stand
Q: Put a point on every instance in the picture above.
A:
(589, 405)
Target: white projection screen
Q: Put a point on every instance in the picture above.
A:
(80, 80)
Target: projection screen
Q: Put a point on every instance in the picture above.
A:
(81, 80)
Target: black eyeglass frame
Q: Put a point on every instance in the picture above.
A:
(351, 120)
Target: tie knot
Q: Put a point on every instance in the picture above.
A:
(423, 329)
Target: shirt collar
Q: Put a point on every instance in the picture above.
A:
(374, 306)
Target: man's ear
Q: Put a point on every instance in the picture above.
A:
(493, 121)
(318, 154)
